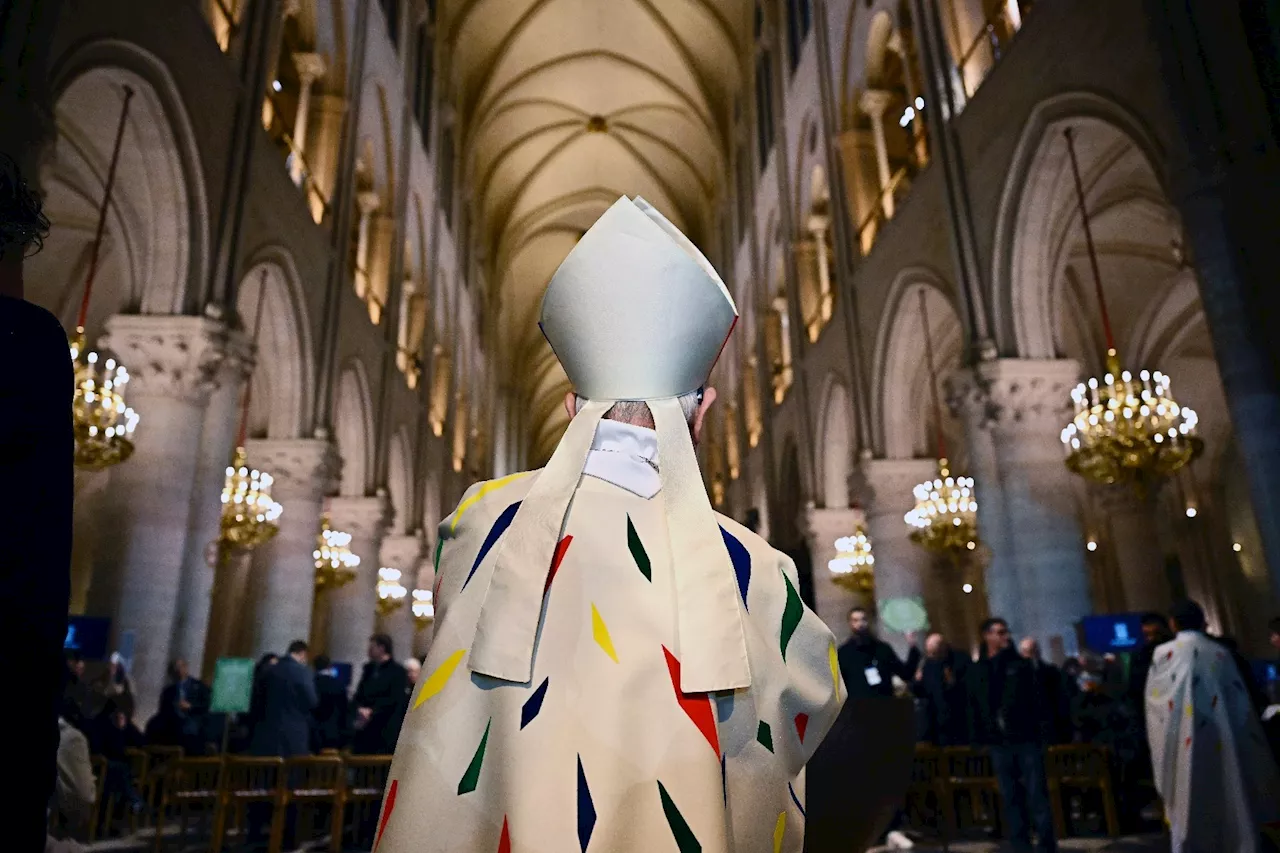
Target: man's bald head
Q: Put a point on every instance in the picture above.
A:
(935, 646)
(1029, 648)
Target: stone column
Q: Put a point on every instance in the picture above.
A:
(857, 160)
(305, 469)
(1030, 402)
(368, 202)
(351, 608)
(822, 527)
(311, 67)
(1135, 541)
(874, 102)
(221, 418)
(426, 579)
(403, 553)
(901, 565)
(173, 361)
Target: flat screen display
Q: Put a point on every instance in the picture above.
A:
(343, 672)
(1116, 633)
(88, 635)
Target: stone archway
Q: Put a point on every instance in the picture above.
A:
(353, 430)
(836, 447)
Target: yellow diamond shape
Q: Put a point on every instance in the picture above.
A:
(600, 633)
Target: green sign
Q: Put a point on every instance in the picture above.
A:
(903, 615)
(232, 685)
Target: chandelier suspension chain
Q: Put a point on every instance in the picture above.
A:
(933, 377)
(1069, 133)
(241, 434)
(102, 211)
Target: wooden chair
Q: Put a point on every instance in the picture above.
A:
(365, 783)
(1081, 767)
(927, 798)
(968, 772)
(247, 781)
(100, 812)
(317, 782)
(190, 784)
(158, 759)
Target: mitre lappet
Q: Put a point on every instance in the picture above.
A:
(634, 313)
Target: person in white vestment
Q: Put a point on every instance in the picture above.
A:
(615, 667)
(1212, 767)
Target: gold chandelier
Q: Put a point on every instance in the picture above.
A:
(391, 592)
(424, 608)
(945, 517)
(335, 563)
(854, 565)
(102, 421)
(249, 513)
(1126, 429)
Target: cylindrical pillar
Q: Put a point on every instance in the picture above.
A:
(404, 553)
(172, 361)
(310, 68)
(304, 470)
(351, 607)
(822, 527)
(874, 102)
(901, 565)
(1131, 522)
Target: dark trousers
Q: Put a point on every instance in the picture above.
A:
(1020, 774)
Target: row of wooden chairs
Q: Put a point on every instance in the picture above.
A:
(222, 791)
(955, 787)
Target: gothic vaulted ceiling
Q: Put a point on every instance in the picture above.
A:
(565, 105)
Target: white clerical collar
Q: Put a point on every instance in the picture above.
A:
(626, 456)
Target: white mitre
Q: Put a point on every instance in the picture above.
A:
(635, 312)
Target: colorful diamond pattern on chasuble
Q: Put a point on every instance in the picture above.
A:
(779, 832)
(600, 633)
(435, 592)
(562, 548)
(504, 843)
(791, 614)
(795, 799)
(741, 560)
(387, 807)
(764, 734)
(437, 680)
(486, 489)
(833, 660)
(471, 778)
(638, 553)
(802, 723)
(586, 809)
(499, 527)
(534, 704)
(696, 705)
(685, 839)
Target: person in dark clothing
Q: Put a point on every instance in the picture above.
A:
(288, 698)
(1054, 705)
(76, 696)
(1101, 718)
(248, 723)
(329, 717)
(377, 700)
(1155, 631)
(1004, 714)
(37, 451)
(940, 686)
(868, 664)
(184, 703)
(111, 734)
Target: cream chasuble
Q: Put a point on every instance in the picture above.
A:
(600, 750)
(1212, 765)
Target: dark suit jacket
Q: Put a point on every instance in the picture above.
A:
(943, 693)
(36, 457)
(330, 716)
(381, 689)
(1005, 702)
(857, 656)
(289, 695)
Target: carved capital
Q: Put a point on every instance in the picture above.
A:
(168, 355)
(305, 468)
(363, 517)
(892, 482)
(1014, 394)
(875, 101)
(311, 67)
(403, 553)
(368, 201)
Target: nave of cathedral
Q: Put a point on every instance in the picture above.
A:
(330, 223)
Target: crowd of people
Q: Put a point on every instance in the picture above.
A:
(1011, 701)
(298, 706)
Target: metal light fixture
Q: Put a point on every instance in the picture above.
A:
(249, 513)
(335, 563)
(424, 608)
(391, 592)
(854, 565)
(103, 422)
(945, 517)
(1127, 428)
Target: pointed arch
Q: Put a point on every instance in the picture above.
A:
(354, 429)
(284, 372)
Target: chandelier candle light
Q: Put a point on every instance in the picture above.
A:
(391, 592)
(1126, 429)
(335, 563)
(424, 608)
(854, 565)
(249, 513)
(945, 518)
(103, 422)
